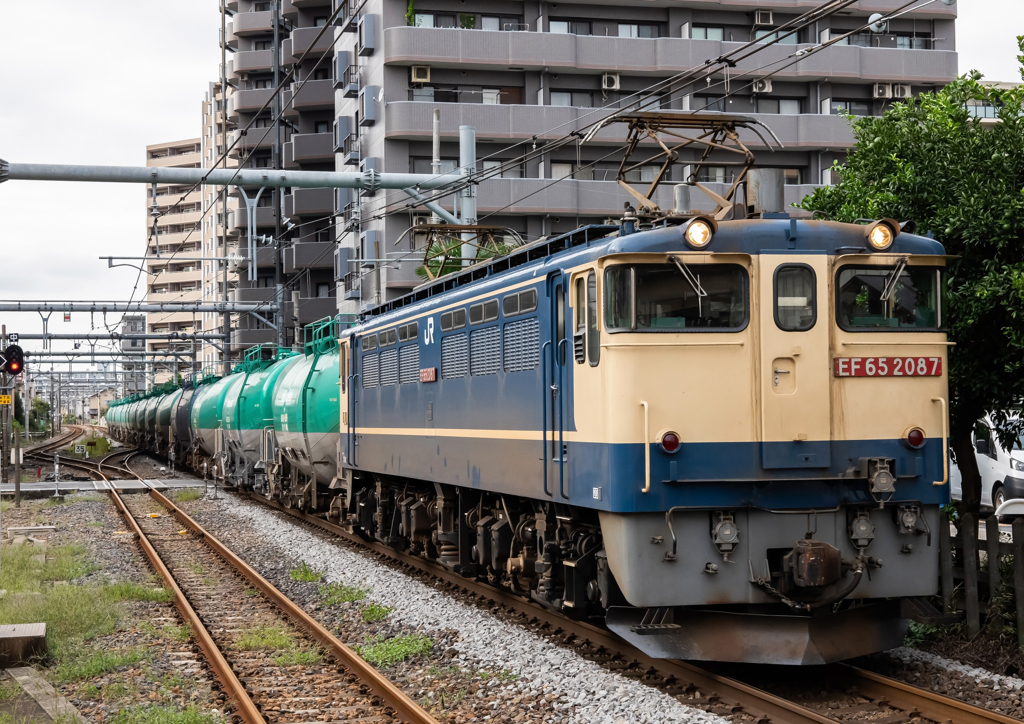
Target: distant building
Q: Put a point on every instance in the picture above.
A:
(135, 373)
(175, 277)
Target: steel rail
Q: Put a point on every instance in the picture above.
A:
(911, 698)
(762, 705)
(394, 697)
(246, 707)
(766, 708)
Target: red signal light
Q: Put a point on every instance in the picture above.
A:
(915, 438)
(670, 442)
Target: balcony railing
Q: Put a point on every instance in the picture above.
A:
(350, 82)
(350, 149)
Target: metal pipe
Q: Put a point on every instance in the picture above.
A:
(439, 213)
(265, 177)
(114, 336)
(165, 307)
(435, 164)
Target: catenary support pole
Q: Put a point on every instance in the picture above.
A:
(467, 167)
(222, 119)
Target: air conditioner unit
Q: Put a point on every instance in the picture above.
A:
(763, 17)
(421, 74)
(610, 81)
(881, 90)
(420, 219)
(901, 90)
(763, 85)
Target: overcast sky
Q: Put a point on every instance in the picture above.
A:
(100, 80)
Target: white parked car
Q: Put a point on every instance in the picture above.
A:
(1002, 471)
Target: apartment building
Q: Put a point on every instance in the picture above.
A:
(523, 73)
(174, 235)
(301, 221)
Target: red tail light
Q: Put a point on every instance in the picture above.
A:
(670, 442)
(915, 438)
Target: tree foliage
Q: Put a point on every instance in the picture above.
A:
(934, 162)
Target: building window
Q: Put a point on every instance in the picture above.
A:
(491, 96)
(322, 127)
(707, 32)
(794, 177)
(768, 36)
(490, 22)
(262, 45)
(709, 103)
(632, 30)
(323, 290)
(783, 106)
(569, 27)
(715, 174)
(261, 7)
(322, 74)
(850, 108)
(578, 99)
(319, 21)
(508, 172)
(424, 165)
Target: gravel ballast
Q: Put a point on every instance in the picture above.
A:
(531, 679)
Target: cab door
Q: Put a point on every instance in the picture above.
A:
(795, 401)
(344, 385)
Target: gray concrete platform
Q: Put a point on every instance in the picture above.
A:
(66, 487)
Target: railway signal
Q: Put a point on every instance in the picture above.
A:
(14, 360)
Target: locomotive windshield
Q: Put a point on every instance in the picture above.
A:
(675, 297)
(889, 298)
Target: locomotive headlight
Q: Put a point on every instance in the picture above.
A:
(880, 236)
(698, 232)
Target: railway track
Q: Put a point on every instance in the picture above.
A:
(275, 663)
(840, 693)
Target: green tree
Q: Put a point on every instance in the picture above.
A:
(934, 162)
(410, 14)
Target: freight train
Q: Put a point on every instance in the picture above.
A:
(725, 440)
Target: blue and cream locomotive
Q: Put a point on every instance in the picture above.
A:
(725, 438)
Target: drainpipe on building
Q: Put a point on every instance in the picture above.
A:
(435, 164)
(226, 320)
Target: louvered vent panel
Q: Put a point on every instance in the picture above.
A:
(409, 364)
(389, 368)
(454, 357)
(371, 370)
(485, 351)
(522, 345)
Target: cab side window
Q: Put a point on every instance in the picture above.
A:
(795, 300)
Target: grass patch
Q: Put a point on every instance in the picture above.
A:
(154, 714)
(388, 652)
(268, 638)
(374, 612)
(296, 656)
(250, 592)
(54, 501)
(179, 633)
(305, 573)
(71, 613)
(89, 498)
(66, 563)
(186, 494)
(335, 593)
(88, 663)
(5, 505)
(95, 524)
(9, 689)
(196, 568)
(128, 591)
